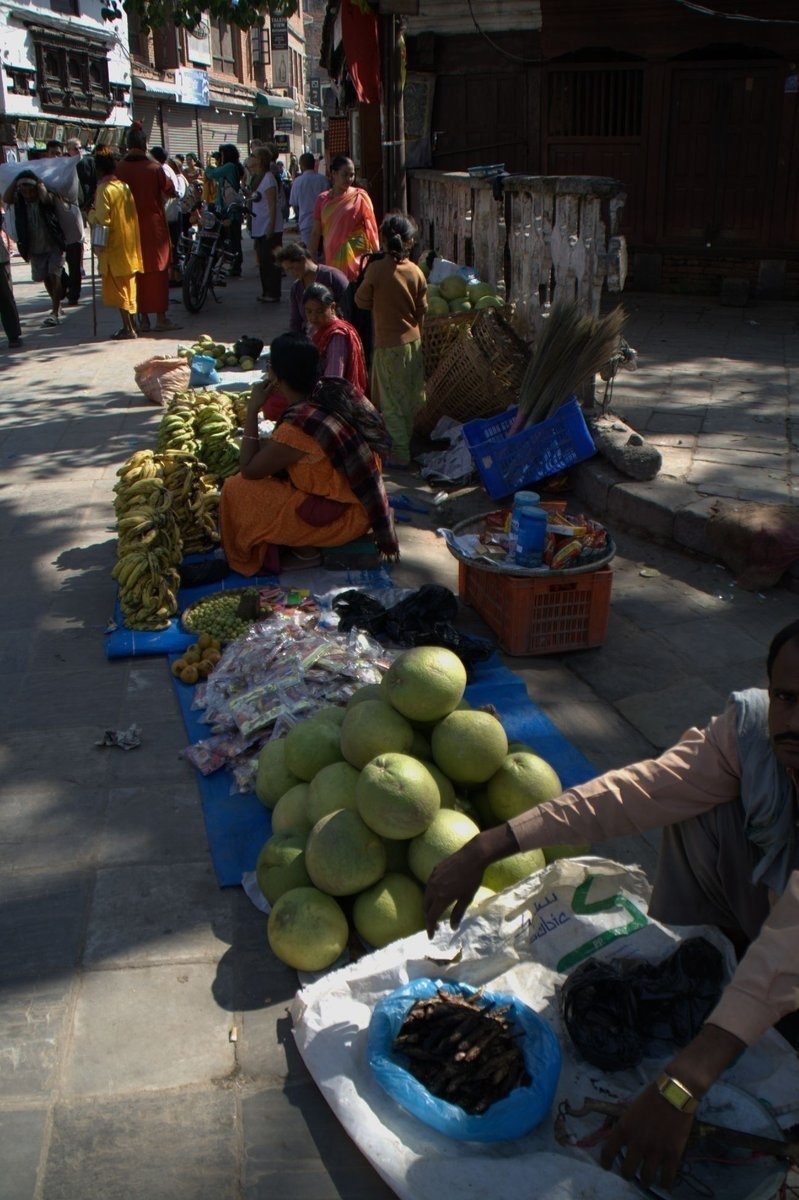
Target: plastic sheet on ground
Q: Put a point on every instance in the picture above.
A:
(524, 941)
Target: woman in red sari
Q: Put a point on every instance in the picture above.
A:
(336, 340)
(150, 186)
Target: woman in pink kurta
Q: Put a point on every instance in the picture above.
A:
(150, 187)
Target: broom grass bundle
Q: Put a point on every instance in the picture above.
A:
(570, 350)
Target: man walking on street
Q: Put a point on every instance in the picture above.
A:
(40, 239)
(302, 198)
(71, 221)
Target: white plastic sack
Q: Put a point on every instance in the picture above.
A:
(523, 941)
(60, 174)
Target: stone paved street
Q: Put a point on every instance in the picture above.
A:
(145, 1047)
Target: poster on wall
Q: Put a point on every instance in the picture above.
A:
(279, 33)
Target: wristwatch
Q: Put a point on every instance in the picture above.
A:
(676, 1093)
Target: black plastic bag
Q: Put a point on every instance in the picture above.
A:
(424, 618)
(617, 1012)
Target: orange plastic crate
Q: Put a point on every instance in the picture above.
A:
(540, 615)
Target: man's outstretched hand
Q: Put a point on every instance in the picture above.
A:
(458, 877)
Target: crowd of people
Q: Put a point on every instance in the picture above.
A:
(352, 350)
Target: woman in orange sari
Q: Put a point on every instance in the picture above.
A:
(316, 481)
(344, 219)
(336, 340)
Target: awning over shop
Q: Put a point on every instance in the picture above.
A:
(272, 106)
(155, 87)
(228, 103)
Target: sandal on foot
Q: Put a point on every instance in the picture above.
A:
(52, 320)
(124, 335)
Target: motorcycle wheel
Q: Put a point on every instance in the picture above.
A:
(195, 284)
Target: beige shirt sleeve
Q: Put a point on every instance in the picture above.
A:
(765, 985)
(698, 773)
(701, 771)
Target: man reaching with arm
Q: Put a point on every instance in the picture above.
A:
(726, 797)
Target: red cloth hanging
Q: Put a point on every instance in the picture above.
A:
(361, 49)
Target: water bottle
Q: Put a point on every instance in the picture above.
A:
(531, 535)
(520, 500)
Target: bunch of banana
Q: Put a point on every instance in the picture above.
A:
(214, 426)
(176, 430)
(149, 550)
(148, 584)
(205, 516)
(136, 479)
(188, 484)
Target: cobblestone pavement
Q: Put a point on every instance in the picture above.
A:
(145, 1048)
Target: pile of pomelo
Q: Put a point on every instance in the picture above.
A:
(454, 295)
(367, 799)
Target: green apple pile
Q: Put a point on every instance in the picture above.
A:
(225, 358)
(454, 295)
(367, 799)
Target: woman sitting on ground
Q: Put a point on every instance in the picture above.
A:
(336, 340)
(316, 482)
(299, 266)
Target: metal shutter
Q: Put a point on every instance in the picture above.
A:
(219, 128)
(181, 133)
(145, 109)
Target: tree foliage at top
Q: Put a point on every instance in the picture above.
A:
(194, 14)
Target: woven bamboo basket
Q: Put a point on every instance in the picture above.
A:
(438, 334)
(504, 350)
(462, 387)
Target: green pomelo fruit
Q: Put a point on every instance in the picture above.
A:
(523, 746)
(425, 683)
(437, 307)
(373, 728)
(343, 855)
(512, 870)
(397, 796)
(331, 788)
(469, 746)
(290, 814)
(391, 909)
(231, 360)
(281, 865)
(457, 306)
(476, 291)
(396, 856)
(369, 691)
(219, 363)
(307, 930)
(420, 747)
(446, 833)
(489, 302)
(312, 745)
(446, 788)
(273, 777)
(205, 337)
(453, 287)
(520, 782)
(433, 290)
(247, 364)
(330, 712)
(482, 893)
(553, 853)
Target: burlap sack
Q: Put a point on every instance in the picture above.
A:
(160, 377)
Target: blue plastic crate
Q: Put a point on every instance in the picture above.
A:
(507, 463)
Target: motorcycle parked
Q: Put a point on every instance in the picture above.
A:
(207, 258)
